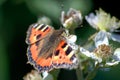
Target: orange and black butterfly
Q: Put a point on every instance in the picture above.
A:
(49, 49)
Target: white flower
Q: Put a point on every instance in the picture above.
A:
(114, 36)
(103, 21)
(33, 75)
(46, 76)
(101, 38)
(71, 39)
(103, 51)
(117, 54)
(72, 19)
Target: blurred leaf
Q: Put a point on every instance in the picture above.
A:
(17, 1)
(52, 8)
(2, 1)
(83, 6)
(44, 7)
(55, 73)
(3, 55)
(3, 62)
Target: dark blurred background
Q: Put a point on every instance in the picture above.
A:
(17, 15)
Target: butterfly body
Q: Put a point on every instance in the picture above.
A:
(48, 48)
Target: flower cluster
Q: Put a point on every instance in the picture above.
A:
(103, 54)
(102, 21)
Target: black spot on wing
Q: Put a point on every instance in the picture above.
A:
(60, 57)
(72, 57)
(69, 49)
(64, 45)
(38, 36)
(57, 52)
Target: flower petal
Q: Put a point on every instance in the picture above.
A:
(101, 38)
(116, 55)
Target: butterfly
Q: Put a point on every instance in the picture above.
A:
(49, 49)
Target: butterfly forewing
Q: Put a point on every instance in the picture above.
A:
(37, 32)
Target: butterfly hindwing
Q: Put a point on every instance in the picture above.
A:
(64, 56)
(44, 64)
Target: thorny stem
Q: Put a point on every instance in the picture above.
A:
(92, 74)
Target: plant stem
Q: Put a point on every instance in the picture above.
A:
(79, 73)
(92, 74)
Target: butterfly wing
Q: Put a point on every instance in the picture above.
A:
(39, 62)
(37, 35)
(42, 51)
(37, 32)
(64, 56)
